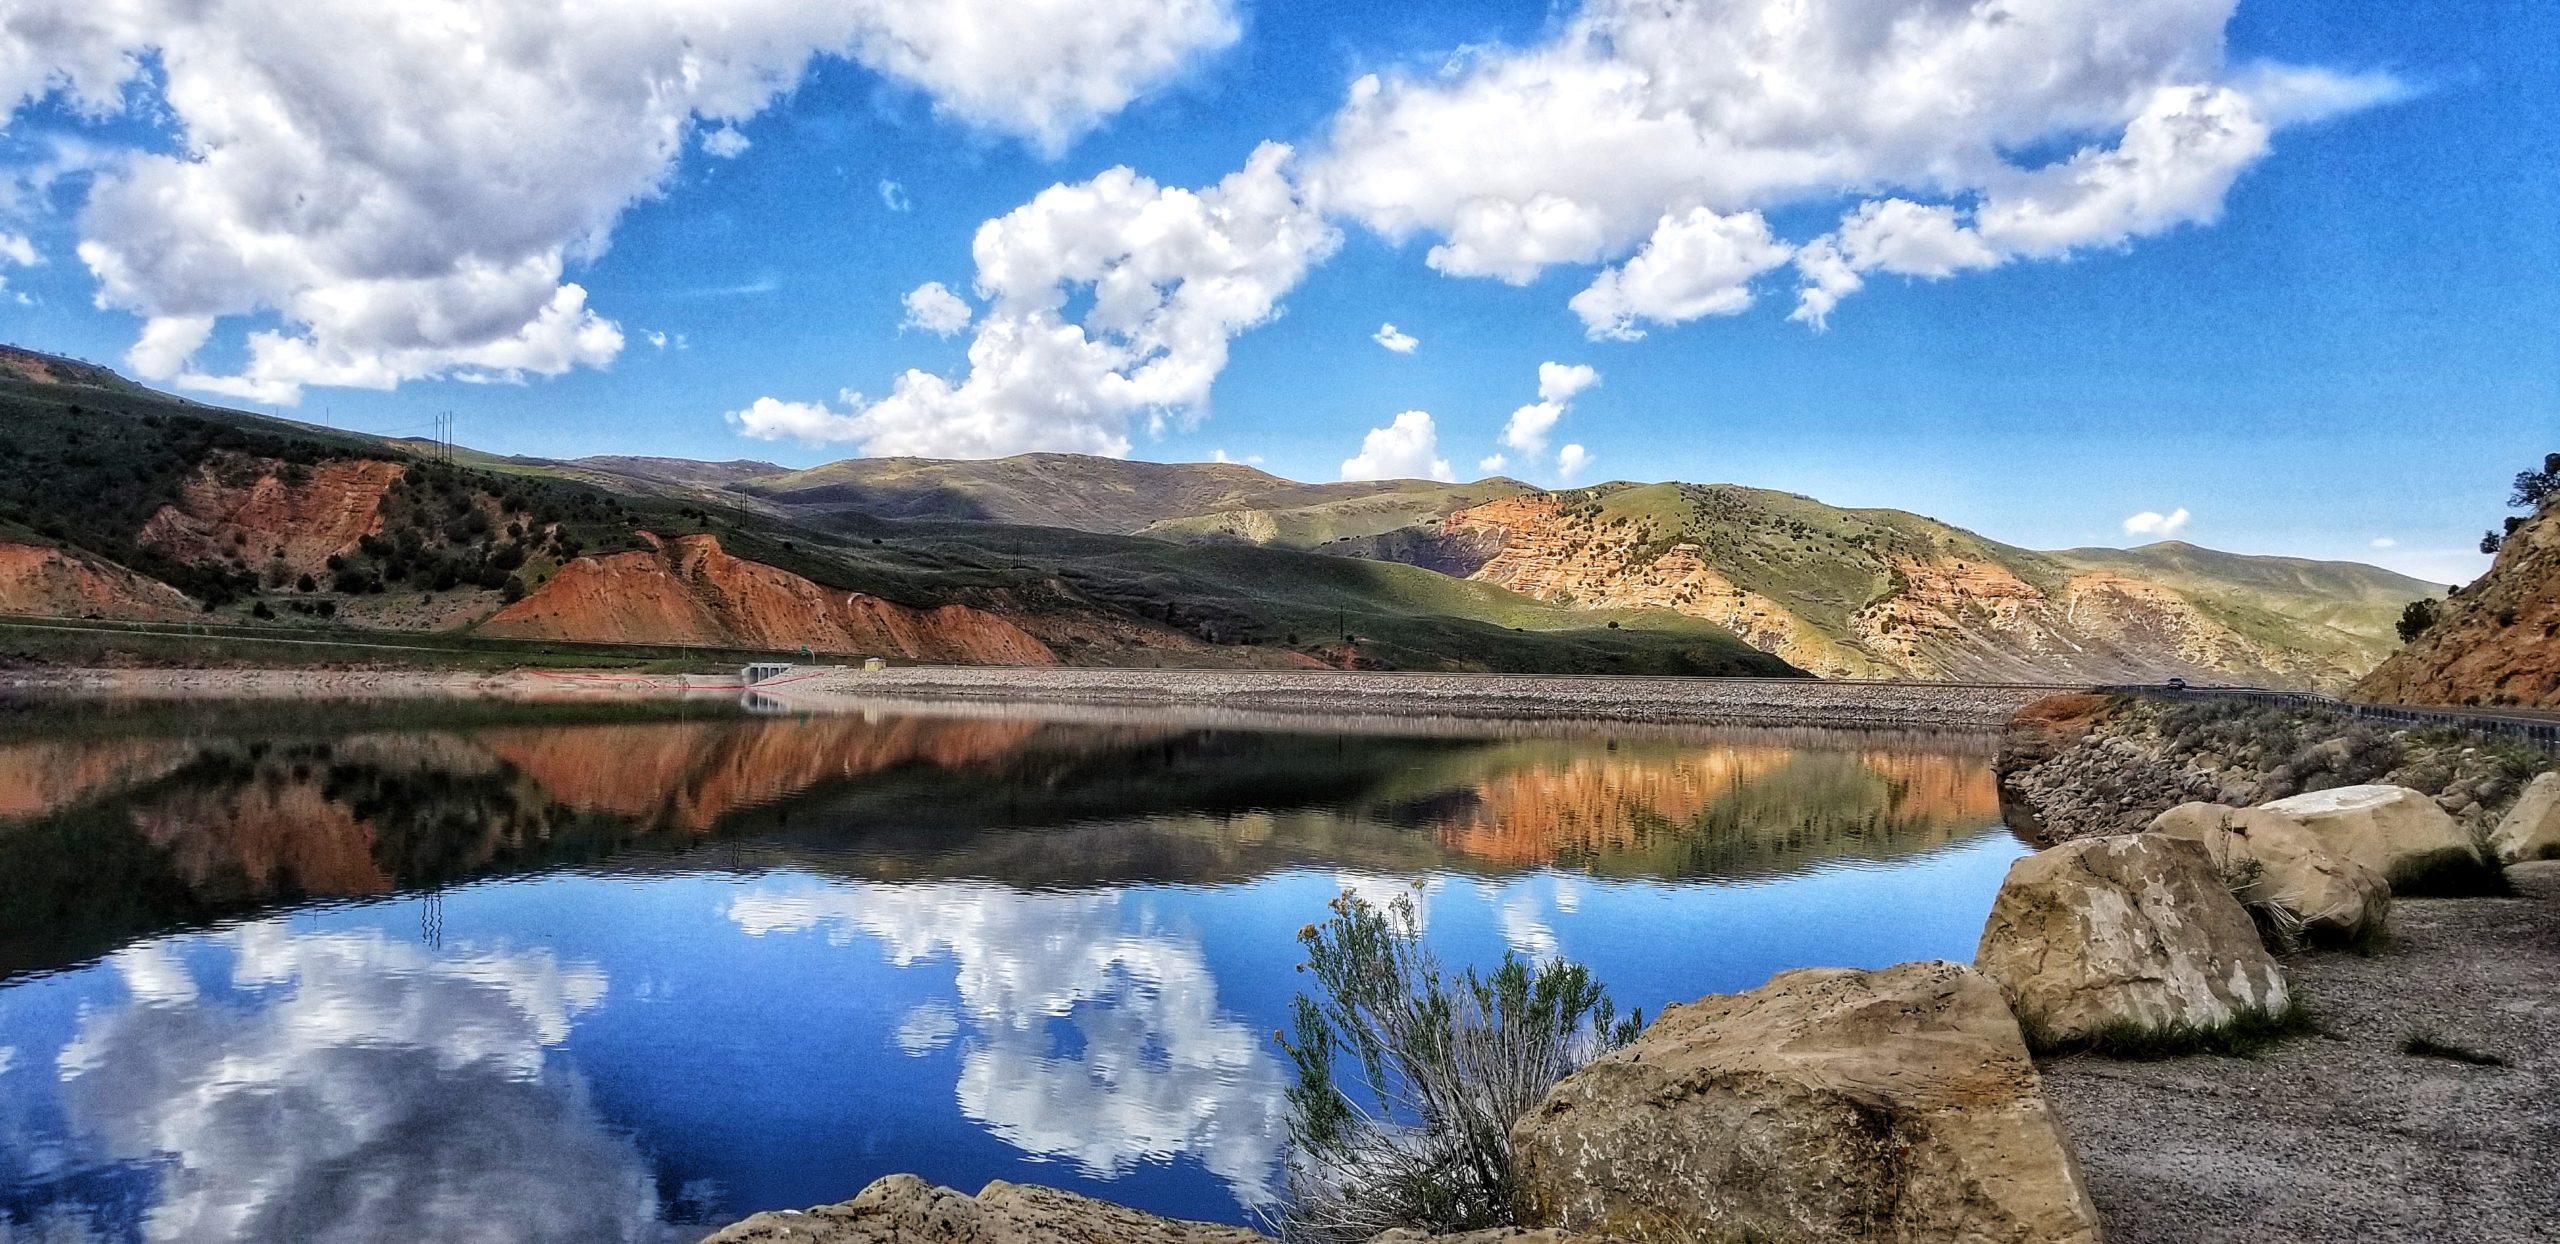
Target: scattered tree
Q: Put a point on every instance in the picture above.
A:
(2415, 619)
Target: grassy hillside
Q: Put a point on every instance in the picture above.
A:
(86, 466)
(1071, 490)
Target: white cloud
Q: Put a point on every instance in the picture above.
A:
(1220, 455)
(1695, 265)
(433, 1075)
(935, 309)
(725, 142)
(1570, 462)
(405, 186)
(1492, 462)
(2154, 523)
(772, 419)
(1174, 275)
(16, 249)
(2385, 542)
(1161, 1069)
(894, 196)
(1661, 130)
(1391, 337)
(1405, 449)
(1558, 384)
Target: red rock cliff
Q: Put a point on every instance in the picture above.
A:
(2498, 642)
(691, 591)
(61, 583)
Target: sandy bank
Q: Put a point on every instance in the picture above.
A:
(1687, 701)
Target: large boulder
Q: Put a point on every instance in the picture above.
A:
(2531, 829)
(1826, 1105)
(2270, 860)
(2393, 830)
(902, 1209)
(2125, 930)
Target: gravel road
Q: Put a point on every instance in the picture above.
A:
(1698, 701)
(2343, 1137)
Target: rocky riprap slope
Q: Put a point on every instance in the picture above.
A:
(2494, 643)
(2078, 765)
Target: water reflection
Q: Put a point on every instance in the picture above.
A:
(1082, 1039)
(315, 979)
(283, 1086)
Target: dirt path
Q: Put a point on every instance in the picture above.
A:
(2344, 1137)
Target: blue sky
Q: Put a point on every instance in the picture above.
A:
(2328, 322)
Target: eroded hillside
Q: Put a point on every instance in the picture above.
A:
(2495, 642)
(1878, 593)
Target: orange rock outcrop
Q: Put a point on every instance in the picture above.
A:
(36, 580)
(263, 511)
(691, 591)
(2497, 642)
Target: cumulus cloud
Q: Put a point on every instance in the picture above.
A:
(2385, 542)
(1408, 448)
(1173, 274)
(1662, 130)
(1528, 427)
(773, 419)
(935, 309)
(2154, 523)
(16, 249)
(405, 186)
(1391, 337)
(1492, 462)
(1220, 455)
(1695, 265)
(1160, 1068)
(1570, 462)
(432, 1074)
(725, 142)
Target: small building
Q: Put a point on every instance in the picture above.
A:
(763, 671)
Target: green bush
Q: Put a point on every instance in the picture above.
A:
(1443, 1065)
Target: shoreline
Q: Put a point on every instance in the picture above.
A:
(1328, 693)
(1244, 698)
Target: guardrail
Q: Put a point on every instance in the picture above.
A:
(2541, 731)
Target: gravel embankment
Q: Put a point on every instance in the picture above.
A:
(1703, 701)
(2343, 1137)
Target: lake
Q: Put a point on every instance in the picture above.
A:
(484, 972)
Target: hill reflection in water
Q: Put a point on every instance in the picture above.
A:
(253, 965)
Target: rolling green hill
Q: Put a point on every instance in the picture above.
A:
(98, 479)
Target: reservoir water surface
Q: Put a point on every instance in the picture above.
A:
(471, 971)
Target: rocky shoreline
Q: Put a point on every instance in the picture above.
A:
(2141, 1050)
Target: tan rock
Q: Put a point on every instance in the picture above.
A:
(1497, 1235)
(2127, 928)
(2393, 830)
(2531, 829)
(2273, 861)
(1826, 1105)
(902, 1209)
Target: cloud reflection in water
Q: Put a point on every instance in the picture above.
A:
(1155, 1070)
(350, 1087)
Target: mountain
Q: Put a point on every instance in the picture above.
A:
(1106, 561)
(1106, 495)
(120, 505)
(2492, 642)
(1883, 593)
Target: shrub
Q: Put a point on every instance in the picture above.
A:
(1444, 1066)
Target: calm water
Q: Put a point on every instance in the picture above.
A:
(475, 973)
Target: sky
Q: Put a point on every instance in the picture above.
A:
(2274, 275)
